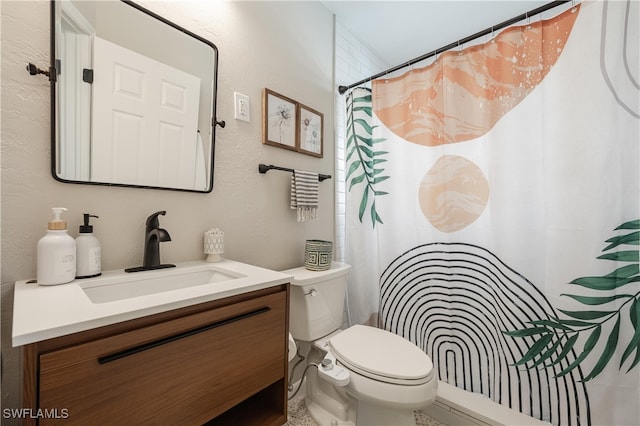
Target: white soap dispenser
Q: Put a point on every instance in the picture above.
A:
(56, 253)
(88, 255)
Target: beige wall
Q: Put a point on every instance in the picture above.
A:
(285, 46)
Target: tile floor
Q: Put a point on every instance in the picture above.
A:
(299, 416)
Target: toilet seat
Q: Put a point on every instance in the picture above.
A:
(381, 355)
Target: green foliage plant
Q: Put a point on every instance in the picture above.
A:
(554, 338)
(363, 159)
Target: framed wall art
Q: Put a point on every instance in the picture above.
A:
(289, 124)
(310, 125)
(279, 118)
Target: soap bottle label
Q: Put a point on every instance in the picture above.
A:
(94, 259)
(65, 262)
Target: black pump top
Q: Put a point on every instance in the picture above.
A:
(86, 228)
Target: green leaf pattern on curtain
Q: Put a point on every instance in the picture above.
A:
(555, 338)
(363, 159)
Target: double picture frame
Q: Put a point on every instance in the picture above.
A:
(289, 124)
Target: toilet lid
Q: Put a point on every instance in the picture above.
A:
(381, 355)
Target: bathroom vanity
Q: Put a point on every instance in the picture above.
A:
(209, 353)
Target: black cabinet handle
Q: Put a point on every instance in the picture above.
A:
(146, 346)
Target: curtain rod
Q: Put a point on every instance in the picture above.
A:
(526, 15)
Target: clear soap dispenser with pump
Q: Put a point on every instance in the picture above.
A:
(56, 259)
(88, 254)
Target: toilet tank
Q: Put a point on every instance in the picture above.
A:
(317, 301)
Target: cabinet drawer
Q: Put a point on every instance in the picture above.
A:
(184, 371)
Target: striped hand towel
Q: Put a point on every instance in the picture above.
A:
(304, 194)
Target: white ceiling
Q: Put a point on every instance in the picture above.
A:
(398, 31)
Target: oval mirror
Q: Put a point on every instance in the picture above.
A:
(133, 98)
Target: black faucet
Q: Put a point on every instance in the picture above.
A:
(153, 236)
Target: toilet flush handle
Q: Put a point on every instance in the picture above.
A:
(313, 293)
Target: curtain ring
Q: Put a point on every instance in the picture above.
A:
(493, 38)
(528, 18)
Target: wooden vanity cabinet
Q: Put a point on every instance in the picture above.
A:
(220, 362)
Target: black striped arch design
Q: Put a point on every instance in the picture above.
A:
(453, 300)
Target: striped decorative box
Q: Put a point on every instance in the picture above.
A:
(318, 255)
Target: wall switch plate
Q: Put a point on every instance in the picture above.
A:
(242, 107)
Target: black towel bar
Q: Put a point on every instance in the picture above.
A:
(264, 168)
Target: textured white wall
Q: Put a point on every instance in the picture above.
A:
(285, 46)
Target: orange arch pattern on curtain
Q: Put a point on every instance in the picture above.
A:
(464, 93)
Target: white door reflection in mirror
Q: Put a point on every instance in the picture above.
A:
(147, 130)
(74, 96)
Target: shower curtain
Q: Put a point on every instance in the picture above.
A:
(493, 214)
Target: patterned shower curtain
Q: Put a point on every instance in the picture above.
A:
(493, 214)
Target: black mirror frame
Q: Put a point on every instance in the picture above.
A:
(53, 76)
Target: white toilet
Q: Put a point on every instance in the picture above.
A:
(365, 376)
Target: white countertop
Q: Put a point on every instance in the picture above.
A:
(45, 312)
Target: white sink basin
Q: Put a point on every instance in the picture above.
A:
(109, 289)
(116, 296)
